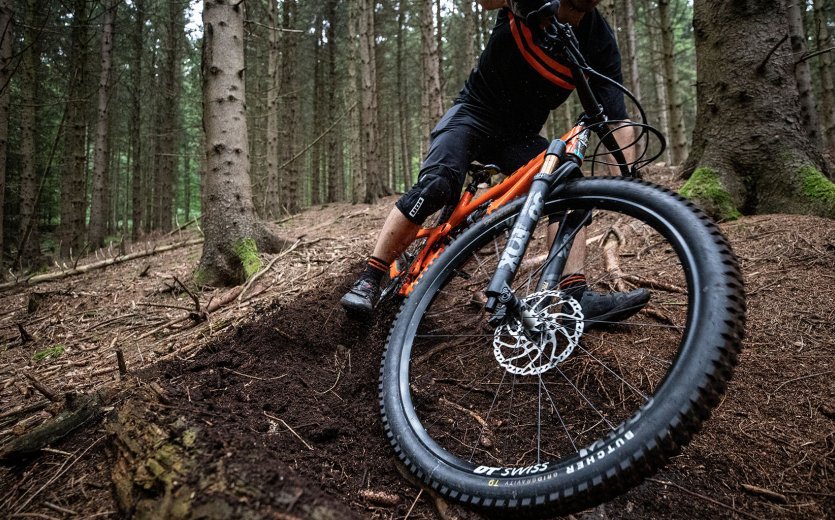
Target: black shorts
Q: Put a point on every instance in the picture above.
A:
(462, 136)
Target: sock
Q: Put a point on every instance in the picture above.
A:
(375, 269)
(574, 284)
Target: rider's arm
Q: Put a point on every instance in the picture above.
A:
(492, 4)
(624, 134)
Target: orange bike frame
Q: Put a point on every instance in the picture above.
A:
(513, 186)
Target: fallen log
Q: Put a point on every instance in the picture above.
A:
(98, 265)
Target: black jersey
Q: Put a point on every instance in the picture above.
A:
(517, 83)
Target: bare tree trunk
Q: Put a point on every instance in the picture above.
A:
(336, 191)
(631, 48)
(439, 45)
(233, 233)
(137, 188)
(290, 195)
(28, 238)
(678, 138)
(827, 104)
(432, 99)
(74, 171)
(403, 98)
(370, 123)
(318, 120)
(98, 210)
(270, 204)
(6, 37)
(358, 173)
(469, 33)
(802, 76)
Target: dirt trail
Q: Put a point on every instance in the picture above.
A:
(275, 398)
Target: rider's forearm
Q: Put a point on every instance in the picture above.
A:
(624, 134)
(492, 4)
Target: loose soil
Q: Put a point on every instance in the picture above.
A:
(279, 389)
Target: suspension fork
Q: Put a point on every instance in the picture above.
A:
(499, 291)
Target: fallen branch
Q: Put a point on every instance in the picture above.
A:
(299, 437)
(767, 493)
(98, 265)
(42, 388)
(261, 273)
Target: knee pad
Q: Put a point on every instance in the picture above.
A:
(432, 192)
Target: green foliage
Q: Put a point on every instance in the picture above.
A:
(247, 252)
(705, 188)
(817, 187)
(52, 352)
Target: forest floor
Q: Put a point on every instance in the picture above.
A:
(273, 398)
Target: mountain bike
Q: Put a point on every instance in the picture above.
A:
(494, 389)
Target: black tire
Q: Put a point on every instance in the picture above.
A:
(455, 425)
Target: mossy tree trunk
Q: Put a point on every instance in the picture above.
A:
(233, 232)
(749, 141)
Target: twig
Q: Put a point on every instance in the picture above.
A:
(471, 413)
(708, 499)
(63, 469)
(256, 377)
(60, 509)
(784, 383)
(291, 430)
(761, 66)
(187, 224)
(260, 273)
(810, 55)
(767, 493)
(409, 512)
(194, 298)
(120, 359)
(42, 388)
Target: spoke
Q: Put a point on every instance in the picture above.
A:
(624, 381)
(556, 410)
(583, 396)
(489, 411)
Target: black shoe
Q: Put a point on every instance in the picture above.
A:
(362, 298)
(606, 308)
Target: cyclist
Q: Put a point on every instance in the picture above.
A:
(496, 119)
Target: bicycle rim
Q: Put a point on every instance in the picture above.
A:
(493, 408)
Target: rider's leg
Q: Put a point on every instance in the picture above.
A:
(455, 141)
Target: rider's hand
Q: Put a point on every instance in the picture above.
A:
(535, 13)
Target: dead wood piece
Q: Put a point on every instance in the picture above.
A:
(23, 410)
(24, 336)
(261, 273)
(120, 360)
(381, 498)
(40, 387)
(78, 412)
(611, 247)
(98, 265)
(767, 493)
(227, 298)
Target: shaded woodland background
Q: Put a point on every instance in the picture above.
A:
(100, 109)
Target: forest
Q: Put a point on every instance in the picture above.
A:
(172, 254)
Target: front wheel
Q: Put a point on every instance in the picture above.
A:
(554, 413)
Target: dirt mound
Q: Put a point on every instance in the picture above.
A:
(279, 413)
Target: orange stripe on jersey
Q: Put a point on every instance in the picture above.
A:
(532, 60)
(547, 60)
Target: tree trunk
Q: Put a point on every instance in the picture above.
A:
(137, 204)
(233, 234)
(318, 120)
(802, 75)
(631, 48)
(752, 153)
(74, 171)
(433, 104)
(271, 208)
(336, 191)
(827, 101)
(368, 97)
(290, 173)
(677, 136)
(403, 98)
(98, 210)
(6, 37)
(356, 142)
(28, 239)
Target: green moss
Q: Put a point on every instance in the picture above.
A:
(247, 252)
(817, 187)
(201, 277)
(705, 188)
(51, 352)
